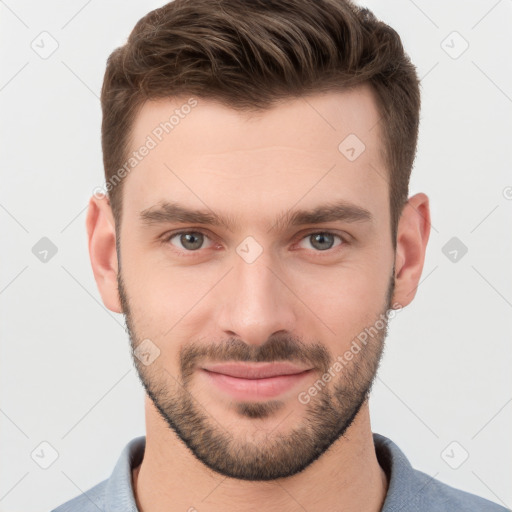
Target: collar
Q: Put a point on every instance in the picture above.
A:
(404, 486)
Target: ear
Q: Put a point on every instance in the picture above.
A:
(102, 250)
(412, 237)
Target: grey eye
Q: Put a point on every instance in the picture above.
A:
(322, 241)
(190, 240)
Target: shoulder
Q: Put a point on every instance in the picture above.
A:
(89, 501)
(437, 496)
(115, 492)
(413, 490)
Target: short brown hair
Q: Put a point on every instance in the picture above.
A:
(249, 54)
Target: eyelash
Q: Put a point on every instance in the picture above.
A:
(186, 253)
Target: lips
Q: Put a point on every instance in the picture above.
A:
(254, 381)
(256, 370)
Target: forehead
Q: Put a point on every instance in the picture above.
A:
(201, 152)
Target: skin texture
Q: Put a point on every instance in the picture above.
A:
(301, 300)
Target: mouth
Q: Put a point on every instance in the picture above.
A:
(253, 381)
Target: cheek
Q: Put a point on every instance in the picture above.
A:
(168, 303)
(346, 300)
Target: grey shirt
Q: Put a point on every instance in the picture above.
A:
(409, 490)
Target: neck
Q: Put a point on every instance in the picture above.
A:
(347, 477)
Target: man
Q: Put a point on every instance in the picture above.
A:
(258, 235)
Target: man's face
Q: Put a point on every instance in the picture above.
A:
(258, 288)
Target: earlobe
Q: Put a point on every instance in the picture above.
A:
(412, 239)
(102, 250)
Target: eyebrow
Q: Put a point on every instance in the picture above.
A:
(169, 212)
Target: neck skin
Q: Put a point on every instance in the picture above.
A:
(347, 477)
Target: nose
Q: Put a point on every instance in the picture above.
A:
(257, 301)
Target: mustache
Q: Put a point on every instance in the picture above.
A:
(279, 347)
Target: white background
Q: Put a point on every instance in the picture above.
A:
(66, 371)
